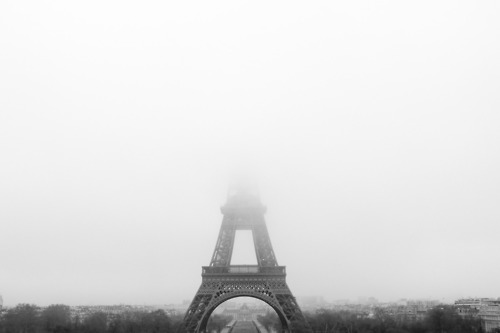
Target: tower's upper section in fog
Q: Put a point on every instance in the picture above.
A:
(243, 198)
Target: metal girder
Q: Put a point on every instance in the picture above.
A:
(224, 246)
(263, 247)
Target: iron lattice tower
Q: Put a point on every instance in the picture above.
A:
(222, 281)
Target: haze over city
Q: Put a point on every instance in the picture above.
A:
(373, 130)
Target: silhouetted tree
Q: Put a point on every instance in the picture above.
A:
(118, 325)
(332, 321)
(77, 324)
(95, 323)
(445, 319)
(56, 318)
(156, 322)
(24, 318)
(384, 322)
(140, 322)
(270, 321)
(177, 323)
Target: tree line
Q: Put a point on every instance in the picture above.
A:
(57, 318)
(442, 319)
(28, 318)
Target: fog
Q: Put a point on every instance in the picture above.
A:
(373, 129)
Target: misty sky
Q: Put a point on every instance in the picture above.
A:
(373, 129)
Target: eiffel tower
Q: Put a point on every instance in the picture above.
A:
(222, 281)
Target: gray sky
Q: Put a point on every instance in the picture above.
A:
(373, 128)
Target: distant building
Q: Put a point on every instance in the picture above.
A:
(83, 311)
(245, 312)
(490, 317)
(367, 300)
(488, 309)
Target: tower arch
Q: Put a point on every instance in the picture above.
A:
(204, 320)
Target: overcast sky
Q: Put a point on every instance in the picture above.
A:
(372, 127)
